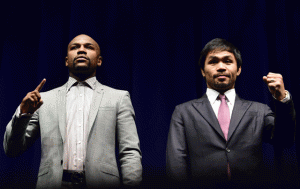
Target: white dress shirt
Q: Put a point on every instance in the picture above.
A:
(215, 102)
(78, 101)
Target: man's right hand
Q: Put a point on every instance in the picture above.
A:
(32, 101)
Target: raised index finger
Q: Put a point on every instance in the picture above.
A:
(40, 86)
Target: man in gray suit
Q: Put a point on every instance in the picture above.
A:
(216, 141)
(80, 125)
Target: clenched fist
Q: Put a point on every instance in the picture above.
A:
(276, 85)
(32, 101)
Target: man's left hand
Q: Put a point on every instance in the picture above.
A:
(276, 85)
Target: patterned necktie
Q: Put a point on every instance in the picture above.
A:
(224, 121)
(224, 115)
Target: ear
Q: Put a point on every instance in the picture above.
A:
(99, 62)
(66, 61)
(239, 71)
(202, 71)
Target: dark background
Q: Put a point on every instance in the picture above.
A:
(151, 49)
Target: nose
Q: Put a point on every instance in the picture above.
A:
(81, 50)
(221, 66)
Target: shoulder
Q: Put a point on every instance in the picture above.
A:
(112, 94)
(189, 107)
(113, 91)
(253, 105)
(112, 97)
(52, 93)
(193, 102)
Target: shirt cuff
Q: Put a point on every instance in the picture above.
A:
(18, 113)
(286, 98)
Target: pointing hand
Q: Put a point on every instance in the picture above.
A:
(32, 101)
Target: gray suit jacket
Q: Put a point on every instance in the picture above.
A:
(111, 124)
(198, 152)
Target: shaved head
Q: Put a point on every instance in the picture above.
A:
(85, 37)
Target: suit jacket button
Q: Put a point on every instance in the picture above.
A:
(228, 150)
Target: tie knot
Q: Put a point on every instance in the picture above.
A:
(222, 97)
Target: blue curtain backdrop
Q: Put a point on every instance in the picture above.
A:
(151, 49)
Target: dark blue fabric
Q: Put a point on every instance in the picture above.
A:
(151, 49)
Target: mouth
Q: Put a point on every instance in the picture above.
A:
(222, 76)
(81, 59)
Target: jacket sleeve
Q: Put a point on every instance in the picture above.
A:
(177, 153)
(129, 145)
(281, 125)
(21, 132)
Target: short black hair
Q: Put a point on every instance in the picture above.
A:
(219, 44)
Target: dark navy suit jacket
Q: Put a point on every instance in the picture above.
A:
(197, 151)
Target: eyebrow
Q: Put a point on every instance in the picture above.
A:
(215, 57)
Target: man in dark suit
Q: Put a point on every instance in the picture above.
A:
(80, 124)
(217, 140)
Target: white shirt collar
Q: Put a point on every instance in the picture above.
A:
(90, 81)
(212, 95)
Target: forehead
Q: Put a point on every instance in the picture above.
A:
(219, 54)
(83, 39)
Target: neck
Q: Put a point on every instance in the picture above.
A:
(221, 91)
(82, 76)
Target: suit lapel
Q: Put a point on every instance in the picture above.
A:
(239, 109)
(61, 106)
(203, 106)
(97, 97)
